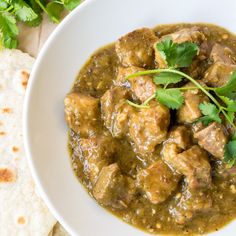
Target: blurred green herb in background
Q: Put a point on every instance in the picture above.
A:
(30, 13)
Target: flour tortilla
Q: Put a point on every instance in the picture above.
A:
(22, 212)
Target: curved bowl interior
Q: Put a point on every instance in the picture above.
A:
(94, 24)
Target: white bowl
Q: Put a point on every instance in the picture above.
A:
(93, 24)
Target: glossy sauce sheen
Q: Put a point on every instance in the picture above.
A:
(95, 78)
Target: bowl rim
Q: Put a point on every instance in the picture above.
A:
(28, 94)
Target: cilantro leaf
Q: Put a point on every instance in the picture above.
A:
(9, 42)
(231, 104)
(36, 22)
(38, 11)
(71, 4)
(8, 30)
(210, 112)
(166, 48)
(185, 52)
(54, 11)
(229, 89)
(177, 55)
(206, 120)
(230, 153)
(166, 78)
(29, 12)
(23, 11)
(3, 5)
(8, 1)
(33, 4)
(171, 98)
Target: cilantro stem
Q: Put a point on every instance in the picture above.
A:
(178, 73)
(41, 6)
(208, 94)
(59, 2)
(8, 9)
(228, 118)
(147, 72)
(193, 88)
(149, 99)
(46, 11)
(198, 86)
(137, 105)
(183, 88)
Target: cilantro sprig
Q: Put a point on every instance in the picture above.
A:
(30, 13)
(223, 99)
(177, 55)
(9, 30)
(210, 112)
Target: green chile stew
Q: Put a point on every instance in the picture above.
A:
(152, 128)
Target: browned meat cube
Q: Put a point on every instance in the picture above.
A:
(181, 136)
(81, 112)
(190, 204)
(141, 86)
(224, 64)
(197, 68)
(179, 140)
(108, 102)
(190, 111)
(170, 151)
(221, 170)
(121, 116)
(218, 74)
(148, 127)
(220, 53)
(213, 139)
(115, 111)
(193, 163)
(113, 189)
(192, 34)
(157, 181)
(97, 152)
(136, 48)
(123, 72)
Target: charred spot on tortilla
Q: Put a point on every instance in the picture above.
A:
(15, 149)
(6, 175)
(2, 133)
(24, 78)
(6, 110)
(21, 220)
